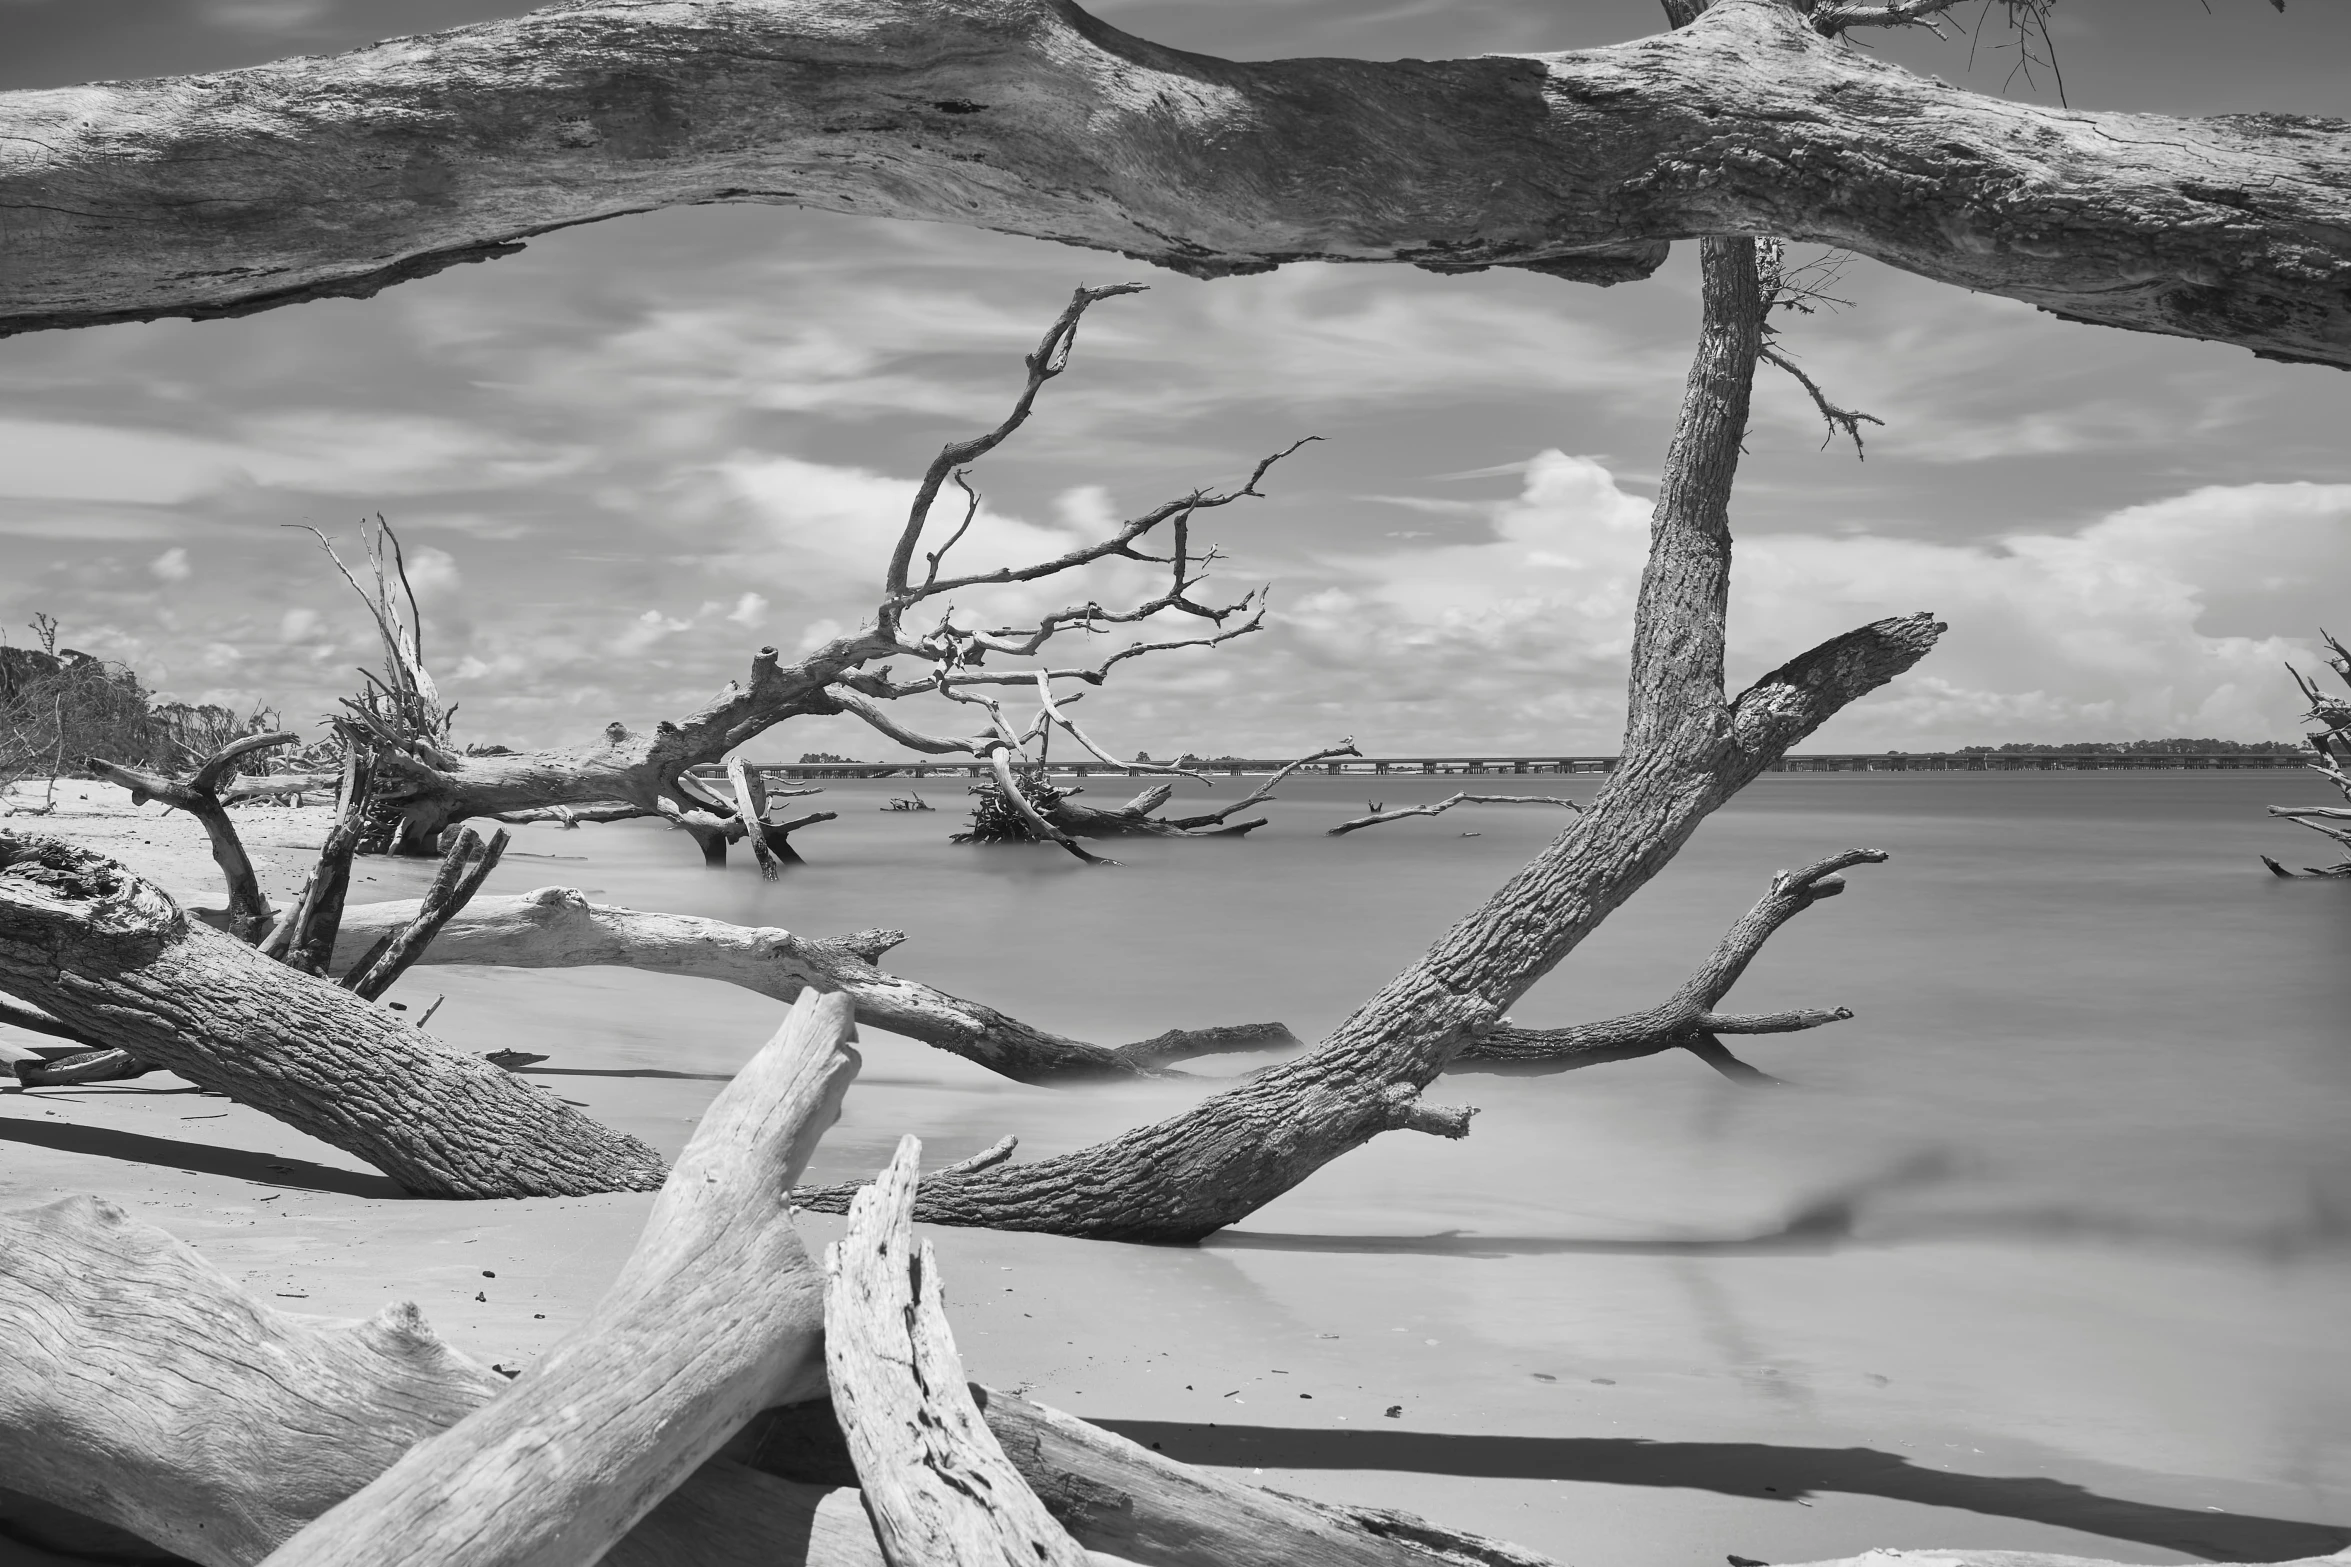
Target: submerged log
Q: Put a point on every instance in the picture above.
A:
(717, 1314)
(109, 954)
(557, 927)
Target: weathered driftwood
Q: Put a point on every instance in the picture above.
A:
(430, 787)
(199, 794)
(571, 816)
(110, 955)
(717, 1314)
(557, 927)
(935, 1480)
(225, 194)
(2330, 744)
(1689, 747)
(149, 1391)
(1136, 818)
(1687, 1020)
(463, 870)
(1380, 814)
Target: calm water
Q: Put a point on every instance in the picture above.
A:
(2059, 1223)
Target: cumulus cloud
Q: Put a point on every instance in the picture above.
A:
(171, 566)
(2167, 618)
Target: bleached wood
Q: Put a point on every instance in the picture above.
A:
(557, 927)
(234, 192)
(936, 1482)
(717, 1314)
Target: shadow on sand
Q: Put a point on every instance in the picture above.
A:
(1752, 1469)
(243, 1164)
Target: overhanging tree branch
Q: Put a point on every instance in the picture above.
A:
(240, 191)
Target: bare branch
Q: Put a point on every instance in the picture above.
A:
(1378, 815)
(1000, 762)
(1264, 791)
(1848, 421)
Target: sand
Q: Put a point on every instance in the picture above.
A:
(1296, 1359)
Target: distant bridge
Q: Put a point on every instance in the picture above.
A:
(1477, 765)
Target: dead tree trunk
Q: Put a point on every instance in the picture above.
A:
(1688, 748)
(222, 195)
(557, 927)
(109, 955)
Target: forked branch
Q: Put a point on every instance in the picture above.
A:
(1687, 1019)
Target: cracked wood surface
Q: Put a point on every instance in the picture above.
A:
(241, 190)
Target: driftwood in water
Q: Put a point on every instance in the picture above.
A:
(2331, 742)
(717, 1314)
(1687, 1019)
(1036, 809)
(109, 954)
(1380, 814)
(1689, 747)
(199, 794)
(936, 1482)
(557, 927)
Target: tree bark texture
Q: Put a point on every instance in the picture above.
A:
(557, 927)
(1688, 749)
(936, 1482)
(107, 953)
(307, 178)
(718, 1313)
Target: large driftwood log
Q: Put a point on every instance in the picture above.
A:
(936, 1482)
(234, 192)
(147, 1390)
(717, 1314)
(1687, 1020)
(110, 955)
(557, 927)
(1689, 747)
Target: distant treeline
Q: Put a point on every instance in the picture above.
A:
(59, 707)
(2134, 747)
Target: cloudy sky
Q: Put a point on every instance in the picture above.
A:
(630, 455)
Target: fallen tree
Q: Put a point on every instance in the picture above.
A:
(430, 786)
(998, 817)
(2330, 742)
(557, 927)
(110, 956)
(1689, 746)
(231, 193)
